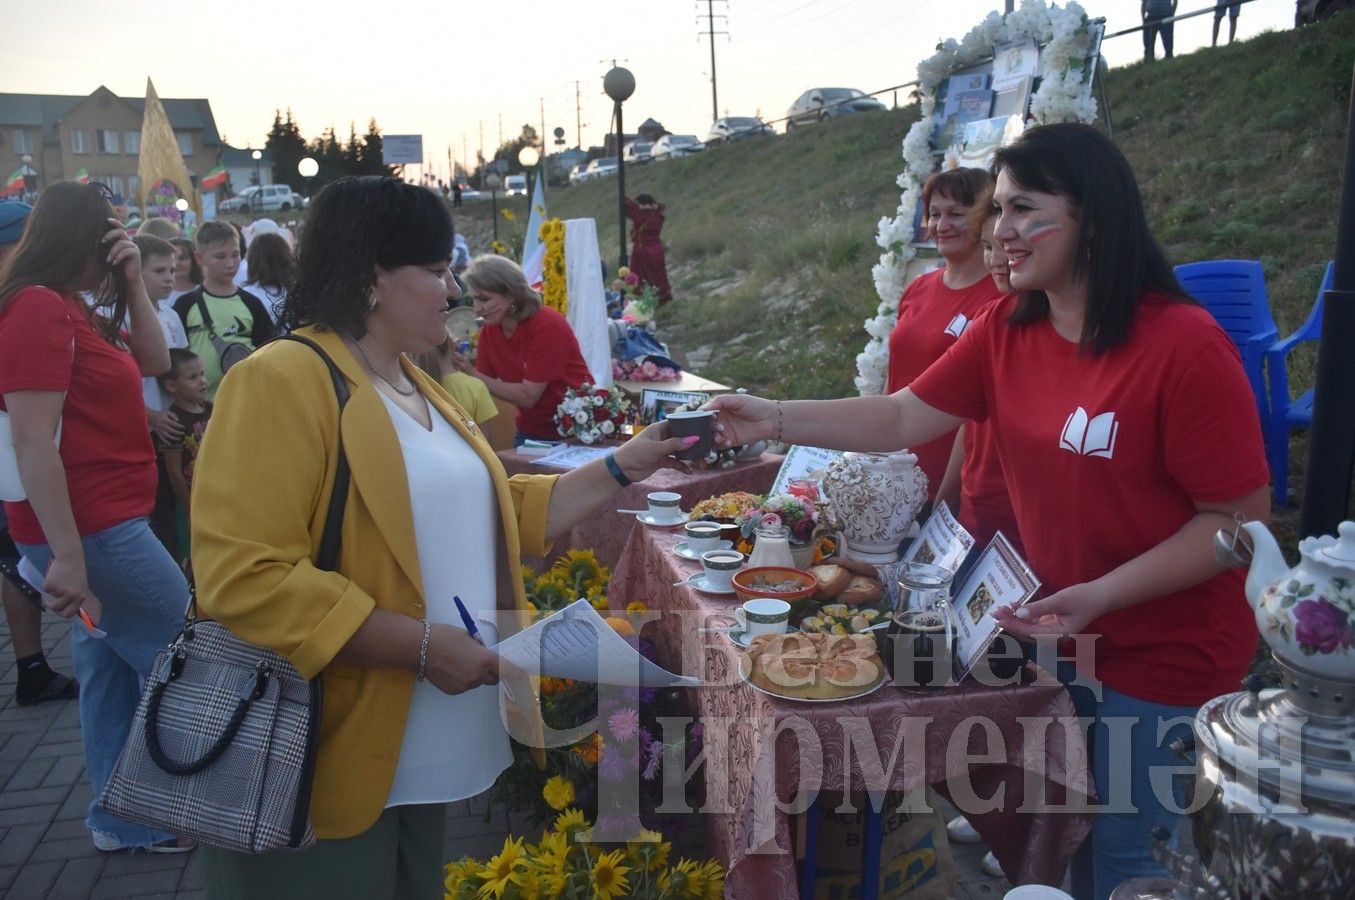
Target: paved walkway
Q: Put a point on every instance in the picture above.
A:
(45, 851)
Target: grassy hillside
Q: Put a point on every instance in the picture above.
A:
(1238, 150)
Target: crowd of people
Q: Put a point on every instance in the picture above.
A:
(1054, 304)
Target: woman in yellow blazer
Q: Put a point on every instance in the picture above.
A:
(429, 511)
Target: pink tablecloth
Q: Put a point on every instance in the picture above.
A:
(605, 533)
(968, 741)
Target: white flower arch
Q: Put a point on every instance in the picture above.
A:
(1067, 38)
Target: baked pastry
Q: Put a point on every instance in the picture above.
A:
(803, 666)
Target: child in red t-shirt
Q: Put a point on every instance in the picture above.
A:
(1128, 436)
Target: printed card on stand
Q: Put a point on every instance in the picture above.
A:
(942, 542)
(803, 462)
(1000, 578)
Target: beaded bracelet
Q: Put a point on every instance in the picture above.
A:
(779, 421)
(423, 651)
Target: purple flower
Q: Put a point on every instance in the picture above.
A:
(648, 695)
(654, 758)
(611, 766)
(1321, 626)
(624, 724)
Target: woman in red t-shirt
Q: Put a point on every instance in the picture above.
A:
(1128, 436)
(527, 353)
(936, 307)
(64, 364)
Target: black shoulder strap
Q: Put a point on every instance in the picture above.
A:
(329, 542)
(201, 301)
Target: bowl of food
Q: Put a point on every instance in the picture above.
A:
(775, 581)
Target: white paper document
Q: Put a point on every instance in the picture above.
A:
(942, 542)
(576, 643)
(571, 456)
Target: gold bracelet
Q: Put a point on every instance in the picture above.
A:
(423, 651)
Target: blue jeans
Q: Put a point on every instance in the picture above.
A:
(144, 596)
(1131, 767)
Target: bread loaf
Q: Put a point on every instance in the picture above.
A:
(862, 591)
(833, 580)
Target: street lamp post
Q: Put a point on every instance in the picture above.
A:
(30, 176)
(528, 157)
(619, 84)
(258, 178)
(182, 206)
(492, 181)
(307, 168)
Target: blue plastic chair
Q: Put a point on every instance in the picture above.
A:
(1234, 292)
(1286, 414)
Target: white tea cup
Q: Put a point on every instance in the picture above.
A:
(763, 615)
(702, 536)
(720, 566)
(664, 506)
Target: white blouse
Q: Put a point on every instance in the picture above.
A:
(455, 746)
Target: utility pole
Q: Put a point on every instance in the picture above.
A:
(465, 156)
(578, 118)
(500, 144)
(482, 142)
(710, 34)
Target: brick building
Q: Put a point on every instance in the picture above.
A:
(101, 133)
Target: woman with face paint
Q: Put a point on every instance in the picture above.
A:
(1128, 436)
(936, 307)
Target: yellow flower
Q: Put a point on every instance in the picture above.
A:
(578, 565)
(648, 849)
(597, 597)
(570, 822)
(504, 869)
(552, 861)
(682, 878)
(623, 272)
(460, 880)
(558, 792)
(609, 876)
(620, 625)
(714, 875)
(636, 606)
(507, 214)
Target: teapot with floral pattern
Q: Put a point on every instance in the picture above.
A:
(1306, 614)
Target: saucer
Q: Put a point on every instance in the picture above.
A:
(648, 519)
(683, 551)
(698, 581)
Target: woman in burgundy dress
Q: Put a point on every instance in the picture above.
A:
(646, 255)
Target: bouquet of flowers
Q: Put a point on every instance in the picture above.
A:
(629, 370)
(640, 302)
(565, 866)
(803, 515)
(591, 413)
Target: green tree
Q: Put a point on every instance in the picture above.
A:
(372, 163)
(286, 146)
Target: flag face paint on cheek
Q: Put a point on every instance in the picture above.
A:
(1040, 230)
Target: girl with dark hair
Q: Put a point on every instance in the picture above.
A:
(528, 354)
(936, 307)
(1128, 436)
(65, 364)
(187, 273)
(272, 268)
(411, 720)
(647, 259)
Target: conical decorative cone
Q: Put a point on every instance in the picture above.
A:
(160, 156)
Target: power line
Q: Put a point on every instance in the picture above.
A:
(803, 22)
(710, 35)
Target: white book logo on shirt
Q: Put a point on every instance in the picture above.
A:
(1090, 438)
(957, 325)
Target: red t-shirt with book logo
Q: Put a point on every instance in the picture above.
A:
(47, 344)
(931, 317)
(543, 348)
(1105, 457)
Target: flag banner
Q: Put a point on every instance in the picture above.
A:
(14, 183)
(82, 176)
(214, 178)
(531, 241)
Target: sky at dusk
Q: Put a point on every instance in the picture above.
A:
(453, 70)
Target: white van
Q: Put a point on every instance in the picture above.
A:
(514, 185)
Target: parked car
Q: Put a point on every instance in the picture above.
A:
(579, 173)
(821, 104)
(605, 165)
(638, 153)
(275, 197)
(515, 185)
(1308, 11)
(736, 128)
(672, 146)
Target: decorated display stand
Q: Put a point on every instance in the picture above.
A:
(1032, 66)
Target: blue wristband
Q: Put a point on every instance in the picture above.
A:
(615, 469)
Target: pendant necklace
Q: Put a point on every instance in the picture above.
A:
(363, 353)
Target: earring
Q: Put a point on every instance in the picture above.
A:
(372, 304)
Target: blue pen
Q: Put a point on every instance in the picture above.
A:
(474, 632)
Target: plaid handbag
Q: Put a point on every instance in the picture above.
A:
(222, 746)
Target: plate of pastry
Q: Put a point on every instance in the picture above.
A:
(813, 668)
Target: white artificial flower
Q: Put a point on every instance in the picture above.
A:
(587, 437)
(608, 427)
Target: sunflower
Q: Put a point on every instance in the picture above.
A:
(499, 247)
(507, 214)
(597, 597)
(558, 792)
(571, 822)
(462, 878)
(648, 849)
(504, 869)
(581, 567)
(680, 879)
(636, 606)
(620, 625)
(714, 875)
(609, 876)
(552, 859)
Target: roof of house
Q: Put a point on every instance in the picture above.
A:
(244, 156)
(46, 111)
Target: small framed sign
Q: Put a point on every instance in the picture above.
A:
(655, 405)
(803, 462)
